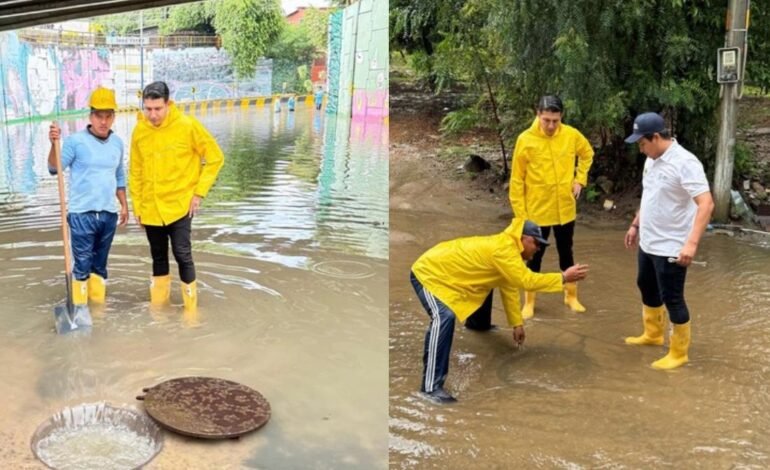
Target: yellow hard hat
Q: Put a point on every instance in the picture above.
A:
(102, 99)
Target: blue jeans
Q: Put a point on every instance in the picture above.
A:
(92, 233)
(661, 282)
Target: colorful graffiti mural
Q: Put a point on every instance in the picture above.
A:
(207, 73)
(82, 70)
(333, 64)
(38, 80)
(359, 61)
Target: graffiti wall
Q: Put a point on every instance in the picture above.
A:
(207, 73)
(362, 81)
(333, 61)
(39, 80)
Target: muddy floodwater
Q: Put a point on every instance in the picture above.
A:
(291, 250)
(575, 396)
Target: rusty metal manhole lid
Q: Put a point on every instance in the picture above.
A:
(206, 407)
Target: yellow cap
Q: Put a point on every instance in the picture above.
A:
(103, 98)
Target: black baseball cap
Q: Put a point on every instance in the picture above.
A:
(533, 230)
(646, 124)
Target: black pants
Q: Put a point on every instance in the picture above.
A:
(661, 282)
(564, 235)
(481, 319)
(180, 234)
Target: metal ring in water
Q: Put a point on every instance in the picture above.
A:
(343, 269)
(123, 438)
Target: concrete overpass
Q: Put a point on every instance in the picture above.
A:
(16, 14)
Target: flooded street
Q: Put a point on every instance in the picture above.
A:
(291, 251)
(575, 396)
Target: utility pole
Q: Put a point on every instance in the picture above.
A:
(141, 49)
(737, 29)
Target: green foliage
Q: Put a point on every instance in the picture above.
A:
(315, 25)
(128, 23)
(461, 120)
(294, 50)
(303, 76)
(247, 28)
(293, 44)
(592, 193)
(743, 161)
(196, 17)
(609, 61)
(757, 66)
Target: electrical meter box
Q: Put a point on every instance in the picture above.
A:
(728, 65)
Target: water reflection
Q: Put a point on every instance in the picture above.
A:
(294, 183)
(291, 250)
(575, 376)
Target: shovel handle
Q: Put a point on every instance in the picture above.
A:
(63, 205)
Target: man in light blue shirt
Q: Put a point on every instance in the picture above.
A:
(94, 157)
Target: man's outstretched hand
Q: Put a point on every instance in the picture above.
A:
(575, 273)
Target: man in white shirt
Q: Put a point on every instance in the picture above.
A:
(675, 211)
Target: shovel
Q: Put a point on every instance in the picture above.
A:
(67, 317)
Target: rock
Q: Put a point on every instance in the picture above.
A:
(506, 186)
(476, 164)
(609, 204)
(760, 190)
(746, 185)
(605, 184)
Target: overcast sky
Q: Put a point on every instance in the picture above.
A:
(291, 5)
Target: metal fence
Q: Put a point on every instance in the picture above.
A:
(74, 38)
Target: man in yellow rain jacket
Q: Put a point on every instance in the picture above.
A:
(174, 162)
(545, 186)
(456, 278)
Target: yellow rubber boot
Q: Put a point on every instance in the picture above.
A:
(79, 292)
(677, 350)
(160, 289)
(570, 297)
(97, 288)
(528, 311)
(654, 321)
(190, 295)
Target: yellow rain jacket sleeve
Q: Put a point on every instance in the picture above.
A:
(169, 164)
(543, 171)
(461, 272)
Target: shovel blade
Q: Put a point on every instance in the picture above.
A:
(63, 320)
(82, 316)
(78, 319)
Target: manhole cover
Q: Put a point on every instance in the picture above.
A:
(97, 435)
(206, 407)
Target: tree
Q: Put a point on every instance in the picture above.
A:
(198, 17)
(608, 61)
(296, 48)
(315, 25)
(247, 28)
